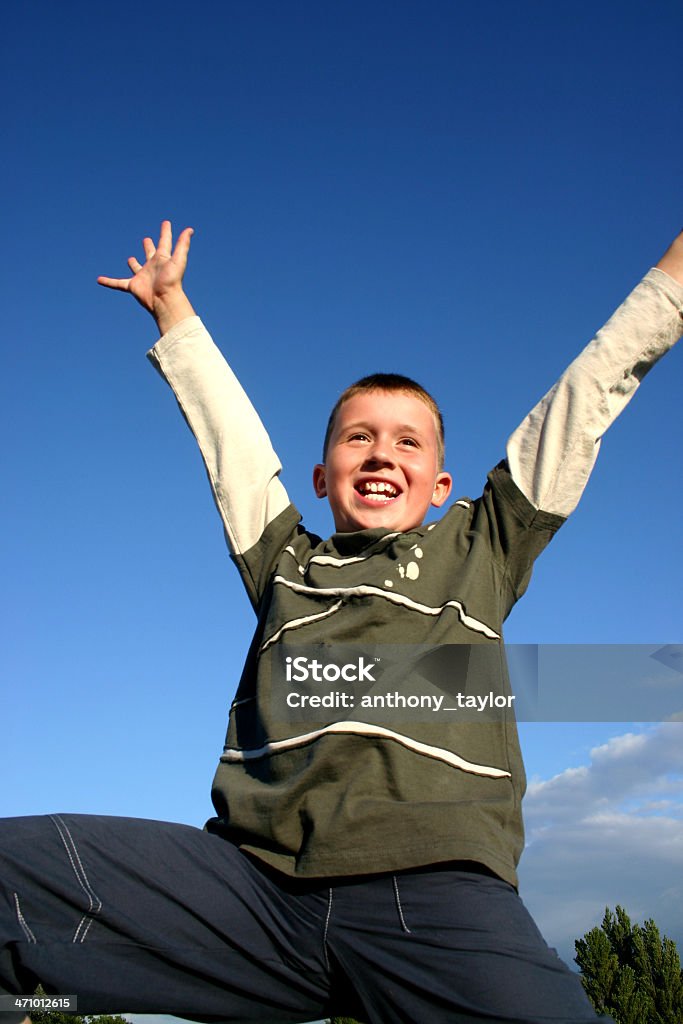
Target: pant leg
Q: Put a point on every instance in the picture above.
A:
(151, 917)
(449, 947)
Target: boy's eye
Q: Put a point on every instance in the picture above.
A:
(358, 437)
(409, 441)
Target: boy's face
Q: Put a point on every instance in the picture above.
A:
(382, 465)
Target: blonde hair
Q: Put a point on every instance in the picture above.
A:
(389, 382)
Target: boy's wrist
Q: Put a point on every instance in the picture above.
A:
(672, 260)
(170, 309)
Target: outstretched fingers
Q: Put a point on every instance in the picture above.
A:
(165, 239)
(183, 245)
(160, 274)
(122, 284)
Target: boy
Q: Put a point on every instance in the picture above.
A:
(358, 863)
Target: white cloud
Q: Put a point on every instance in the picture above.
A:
(606, 833)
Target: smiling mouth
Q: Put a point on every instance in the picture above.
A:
(377, 491)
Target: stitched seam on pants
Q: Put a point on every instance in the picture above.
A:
(327, 925)
(95, 903)
(402, 919)
(22, 920)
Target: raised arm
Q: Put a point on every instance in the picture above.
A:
(240, 462)
(552, 452)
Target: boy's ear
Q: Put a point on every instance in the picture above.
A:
(442, 488)
(319, 481)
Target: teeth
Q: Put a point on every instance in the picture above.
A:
(378, 487)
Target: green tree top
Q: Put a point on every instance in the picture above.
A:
(630, 972)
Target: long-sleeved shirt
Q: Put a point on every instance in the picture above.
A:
(357, 788)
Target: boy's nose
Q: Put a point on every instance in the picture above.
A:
(380, 454)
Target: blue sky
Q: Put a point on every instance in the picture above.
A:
(462, 193)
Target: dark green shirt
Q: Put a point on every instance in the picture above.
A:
(349, 792)
(367, 793)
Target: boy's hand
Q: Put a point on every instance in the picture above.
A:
(672, 260)
(158, 284)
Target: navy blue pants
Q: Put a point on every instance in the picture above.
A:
(150, 917)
